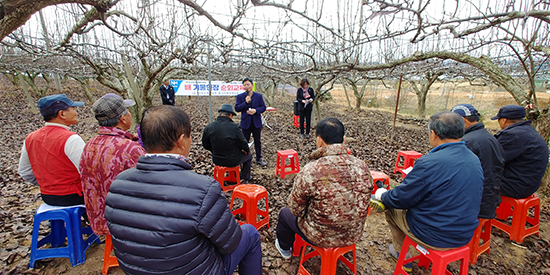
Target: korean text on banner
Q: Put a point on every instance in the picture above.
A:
(219, 88)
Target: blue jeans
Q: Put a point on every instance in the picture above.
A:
(248, 255)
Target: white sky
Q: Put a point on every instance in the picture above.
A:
(267, 23)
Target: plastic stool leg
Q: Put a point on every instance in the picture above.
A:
(58, 232)
(108, 260)
(328, 262)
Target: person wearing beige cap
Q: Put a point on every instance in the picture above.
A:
(112, 151)
(50, 155)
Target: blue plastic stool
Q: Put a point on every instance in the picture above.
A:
(64, 223)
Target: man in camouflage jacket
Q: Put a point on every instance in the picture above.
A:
(329, 201)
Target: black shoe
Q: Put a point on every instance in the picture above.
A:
(261, 163)
(244, 181)
(307, 135)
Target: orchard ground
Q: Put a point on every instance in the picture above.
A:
(368, 135)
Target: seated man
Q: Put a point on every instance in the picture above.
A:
(112, 151)
(225, 139)
(166, 219)
(525, 153)
(51, 154)
(490, 154)
(329, 201)
(437, 204)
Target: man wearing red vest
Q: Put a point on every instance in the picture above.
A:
(50, 155)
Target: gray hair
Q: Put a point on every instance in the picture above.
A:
(112, 122)
(447, 125)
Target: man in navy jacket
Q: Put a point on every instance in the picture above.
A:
(166, 219)
(251, 105)
(490, 154)
(525, 153)
(167, 94)
(437, 204)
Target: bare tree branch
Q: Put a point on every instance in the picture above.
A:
(15, 13)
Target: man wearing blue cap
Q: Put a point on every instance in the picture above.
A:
(525, 153)
(490, 154)
(50, 155)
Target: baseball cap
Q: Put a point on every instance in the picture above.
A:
(511, 112)
(50, 105)
(465, 110)
(110, 106)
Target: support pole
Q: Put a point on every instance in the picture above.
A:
(210, 81)
(396, 105)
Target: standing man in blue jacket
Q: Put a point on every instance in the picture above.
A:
(166, 219)
(525, 153)
(251, 105)
(167, 93)
(437, 204)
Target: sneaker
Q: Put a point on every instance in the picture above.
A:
(285, 253)
(261, 163)
(408, 267)
(301, 135)
(307, 135)
(377, 205)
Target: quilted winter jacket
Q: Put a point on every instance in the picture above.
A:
(166, 219)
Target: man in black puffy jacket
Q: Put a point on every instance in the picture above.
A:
(490, 154)
(166, 219)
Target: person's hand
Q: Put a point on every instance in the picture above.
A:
(248, 98)
(303, 101)
(251, 111)
(378, 194)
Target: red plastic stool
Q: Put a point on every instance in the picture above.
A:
(483, 232)
(379, 176)
(439, 259)
(294, 165)
(329, 257)
(108, 260)
(297, 245)
(409, 157)
(251, 194)
(519, 210)
(296, 121)
(233, 176)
